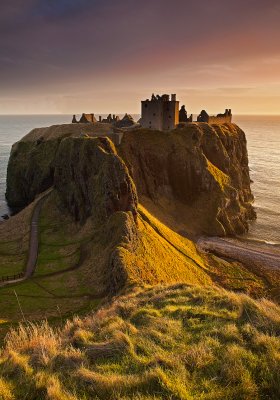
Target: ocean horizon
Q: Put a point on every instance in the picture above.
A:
(263, 141)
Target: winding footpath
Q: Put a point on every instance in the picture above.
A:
(33, 242)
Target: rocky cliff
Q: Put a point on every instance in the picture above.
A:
(198, 176)
(31, 163)
(195, 179)
(92, 180)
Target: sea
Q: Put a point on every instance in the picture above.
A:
(263, 141)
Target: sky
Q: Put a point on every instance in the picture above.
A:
(73, 56)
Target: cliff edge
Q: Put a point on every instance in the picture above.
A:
(195, 178)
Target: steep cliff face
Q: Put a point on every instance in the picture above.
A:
(30, 171)
(191, 181)
(198, 175)
(92, 180)
(31, 163)
(195, 179)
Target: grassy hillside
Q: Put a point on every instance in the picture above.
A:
(57, 289)
(168, 342)
(79, 265)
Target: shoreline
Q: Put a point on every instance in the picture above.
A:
(244, 251)
(251, 240)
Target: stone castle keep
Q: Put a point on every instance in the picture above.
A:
(162, 113)
(159, 113)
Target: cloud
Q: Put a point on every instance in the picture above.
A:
(89, 46)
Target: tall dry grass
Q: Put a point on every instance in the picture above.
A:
(165, 342)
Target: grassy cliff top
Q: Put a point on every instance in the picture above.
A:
(167, 342)
(64, 130)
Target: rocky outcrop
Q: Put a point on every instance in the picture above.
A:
(199, 175)
(31, 164)
(30, 170)
(92, 180)
(196, 177)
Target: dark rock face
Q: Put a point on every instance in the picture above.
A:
(30, 171)
(92, 180)
(200, 166)
(31, 163)
(200, 171)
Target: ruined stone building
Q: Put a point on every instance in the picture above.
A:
(160, 112)
(126, 122)
(218, 119)
(85, 118)
(90, 118)
(183, 115)
(110, 119)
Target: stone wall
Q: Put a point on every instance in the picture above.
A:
(226, 117)
(219, 120)
(160, 113)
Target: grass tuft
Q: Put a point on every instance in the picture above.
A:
(178, 342)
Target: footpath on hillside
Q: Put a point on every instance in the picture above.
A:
(33, 246)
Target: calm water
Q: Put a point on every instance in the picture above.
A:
(263, 136)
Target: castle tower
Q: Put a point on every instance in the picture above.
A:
(160, 112)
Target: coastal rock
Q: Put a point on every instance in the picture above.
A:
(198, 175)
(92, 180)
(30, 171)
(194, 178)
(31, 163)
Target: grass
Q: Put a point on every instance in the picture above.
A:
(164, 342)
(163, 256)
(13, 254)
(46, 294)
(12, 265)
(72, 270)
(220, 177)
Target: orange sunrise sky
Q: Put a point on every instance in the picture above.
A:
(106, 56)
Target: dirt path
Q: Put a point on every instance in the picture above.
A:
(259, 254)
(33, 242)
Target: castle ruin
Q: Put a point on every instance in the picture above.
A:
(159, 113)
(90, 118)
(218, 119)
(85, 118)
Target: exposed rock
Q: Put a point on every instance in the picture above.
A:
(92, 180)
(198, 175)
(30, 171)
(31, 163)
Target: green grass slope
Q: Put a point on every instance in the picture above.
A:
(167, 342)
(79, 265)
